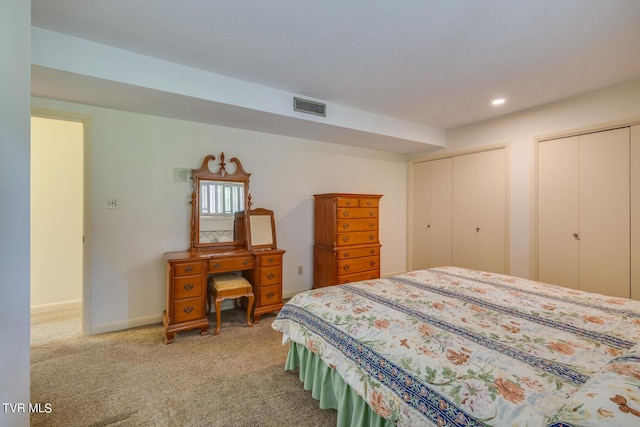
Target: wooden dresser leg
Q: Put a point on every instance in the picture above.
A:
(169, 337)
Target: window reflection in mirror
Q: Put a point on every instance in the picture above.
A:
(217, 195)
(219, 200)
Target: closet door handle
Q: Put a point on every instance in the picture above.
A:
(477, 229)
(576, 236)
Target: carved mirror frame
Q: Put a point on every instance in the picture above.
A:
(239, 175)
(261, 229)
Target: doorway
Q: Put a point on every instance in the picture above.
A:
(57, 215)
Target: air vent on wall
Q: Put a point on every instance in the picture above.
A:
(310, 107)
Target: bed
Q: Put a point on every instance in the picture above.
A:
(456, 347)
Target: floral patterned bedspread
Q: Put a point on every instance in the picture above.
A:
(456, 347)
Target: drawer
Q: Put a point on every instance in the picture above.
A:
(347, 202)
(187, 287)
(350, 278)
(187, 309)
(368, 203)
(231, 264)
(357, 238)
(188, 269)
(345, 213)
(270, 275)
(270, 295)
(358, 265)
(358, 253)
(268, 260)
(346, 225)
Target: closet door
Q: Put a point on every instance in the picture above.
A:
(479, 211)
(421, 250)
(604, 213)
(558, 207)
(491, 209)
(431, 214)
(441, 220)
(635, 209)
(583, 212)
(465, 212)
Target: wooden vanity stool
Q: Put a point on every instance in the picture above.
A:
(229, 286)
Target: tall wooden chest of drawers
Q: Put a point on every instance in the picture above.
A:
(347, 244)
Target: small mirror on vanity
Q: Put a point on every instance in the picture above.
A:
(262, 229)
(216, 198)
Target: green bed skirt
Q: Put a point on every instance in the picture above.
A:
(330, 390)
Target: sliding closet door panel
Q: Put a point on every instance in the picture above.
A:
(441, 213)
(558, 204)
(491, 210)
(421, 256)
(604, 212)
(465, 190)
(635, 209)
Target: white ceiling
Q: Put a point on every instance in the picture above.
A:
(435, 63)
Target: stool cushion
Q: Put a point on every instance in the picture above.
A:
(229, 281)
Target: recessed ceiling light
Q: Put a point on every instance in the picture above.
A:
(498, 101)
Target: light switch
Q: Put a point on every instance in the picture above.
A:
(112, 204)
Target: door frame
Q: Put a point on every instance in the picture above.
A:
(86, 203)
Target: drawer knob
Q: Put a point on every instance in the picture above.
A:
(372, 213)
(345, 213)
(188, 269)
(346, 267)
(271, 260)
(345, 239)
(246, 261)
(372, 237)
(372, 263)
(345, 255)
(216, 265)
(188, 286)
(372, 251)
(345, 226)
(372, 224)
(188, 309)
(270, 294)
(368, 202)
(348, 203)
(270, 276)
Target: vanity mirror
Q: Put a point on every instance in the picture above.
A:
(216, 197)
(262, 229)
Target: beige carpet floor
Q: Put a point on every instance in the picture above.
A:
(131, 378)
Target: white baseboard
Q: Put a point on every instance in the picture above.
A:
(141, 321)
(57, 306)
(126, 324)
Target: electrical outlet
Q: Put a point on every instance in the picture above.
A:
(299, 269)
(112, 204)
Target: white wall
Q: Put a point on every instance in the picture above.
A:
(15, 76)
(520, 130)
(133, 157)
(56, 213)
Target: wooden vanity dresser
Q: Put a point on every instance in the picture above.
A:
(223, 240)
(187, 273)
